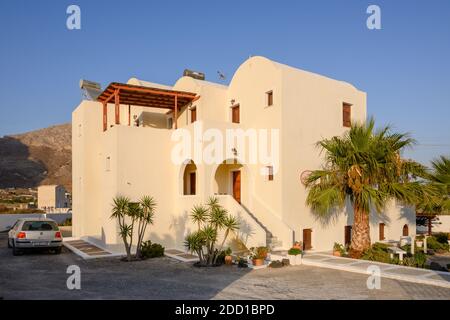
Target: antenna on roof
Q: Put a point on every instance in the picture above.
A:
(90, 90)
(221, 76)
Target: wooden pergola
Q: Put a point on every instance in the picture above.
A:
(132, 95)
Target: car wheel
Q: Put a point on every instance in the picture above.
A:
(58, 250)
(16, 252)
(9, 243)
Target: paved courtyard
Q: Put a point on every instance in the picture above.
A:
(43, 276)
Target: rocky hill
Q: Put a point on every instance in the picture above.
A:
(37, 157)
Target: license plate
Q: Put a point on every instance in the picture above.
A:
(41, 243)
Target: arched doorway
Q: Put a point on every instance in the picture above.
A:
(229, 178)
(405, 230)
(190, 178)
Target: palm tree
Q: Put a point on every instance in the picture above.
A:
(440, 178)
(364, 166)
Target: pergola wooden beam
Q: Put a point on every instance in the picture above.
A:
(127, 94)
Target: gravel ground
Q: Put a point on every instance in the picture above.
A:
(43, 276)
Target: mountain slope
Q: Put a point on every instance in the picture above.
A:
(37, 157)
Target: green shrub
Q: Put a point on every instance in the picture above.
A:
(294, 251)
(66, 223)
(420, 259)
(442, 237)
(378, 252)
(151, 250)
(434, 244)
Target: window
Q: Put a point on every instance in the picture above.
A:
(346, 115)
(193, 114)
(269, 95)
(169, 123)
(381, 231)
(269, 173)
(405, 230)
(235, 116)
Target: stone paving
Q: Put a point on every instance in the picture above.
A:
(40, 275)
(410, 274)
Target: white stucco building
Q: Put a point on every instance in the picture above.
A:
(124, 145)
(53, 198)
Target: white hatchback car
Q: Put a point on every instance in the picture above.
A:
(29, 233)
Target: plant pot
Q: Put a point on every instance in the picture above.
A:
(295, 260)
(258, 262)
(228, 260)
(419, 244)
(336, 253)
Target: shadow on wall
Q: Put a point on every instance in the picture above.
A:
(245, 229)
(17, 167)
(408, 214)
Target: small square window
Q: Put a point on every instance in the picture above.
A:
(269, 95)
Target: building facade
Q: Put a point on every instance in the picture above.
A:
(131, 143)
(52, 198)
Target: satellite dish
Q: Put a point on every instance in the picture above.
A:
(90, 90)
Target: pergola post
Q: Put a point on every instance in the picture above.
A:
(176, 111)
(117, 103)
(105, 117)
(129, 115)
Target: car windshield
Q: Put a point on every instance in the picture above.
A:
(39, 226)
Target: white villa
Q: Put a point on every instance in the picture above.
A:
(125, 144)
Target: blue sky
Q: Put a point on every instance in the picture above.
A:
(404, 68)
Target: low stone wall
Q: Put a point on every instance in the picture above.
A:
(7, 220)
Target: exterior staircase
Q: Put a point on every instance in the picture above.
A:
(272, 242)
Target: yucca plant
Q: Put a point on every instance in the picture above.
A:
(210, 219)
(364, 166)
(128, 214)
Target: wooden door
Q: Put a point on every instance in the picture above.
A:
(235, 114)
(348, 235)
(192, 183)
(381, 231)
(307, 241)
(237, 186)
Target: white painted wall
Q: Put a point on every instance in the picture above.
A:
(136, 161)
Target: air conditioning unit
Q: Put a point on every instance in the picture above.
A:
(194, 74)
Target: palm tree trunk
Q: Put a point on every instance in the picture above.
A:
(360, 233)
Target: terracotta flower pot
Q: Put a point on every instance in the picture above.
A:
(228, 260)
(258, 262)
(336, 253)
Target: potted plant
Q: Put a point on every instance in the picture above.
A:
(258, 256)
(338, 250)
(295, 256)
(297, 245)
(419, 242)
(228, 257)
